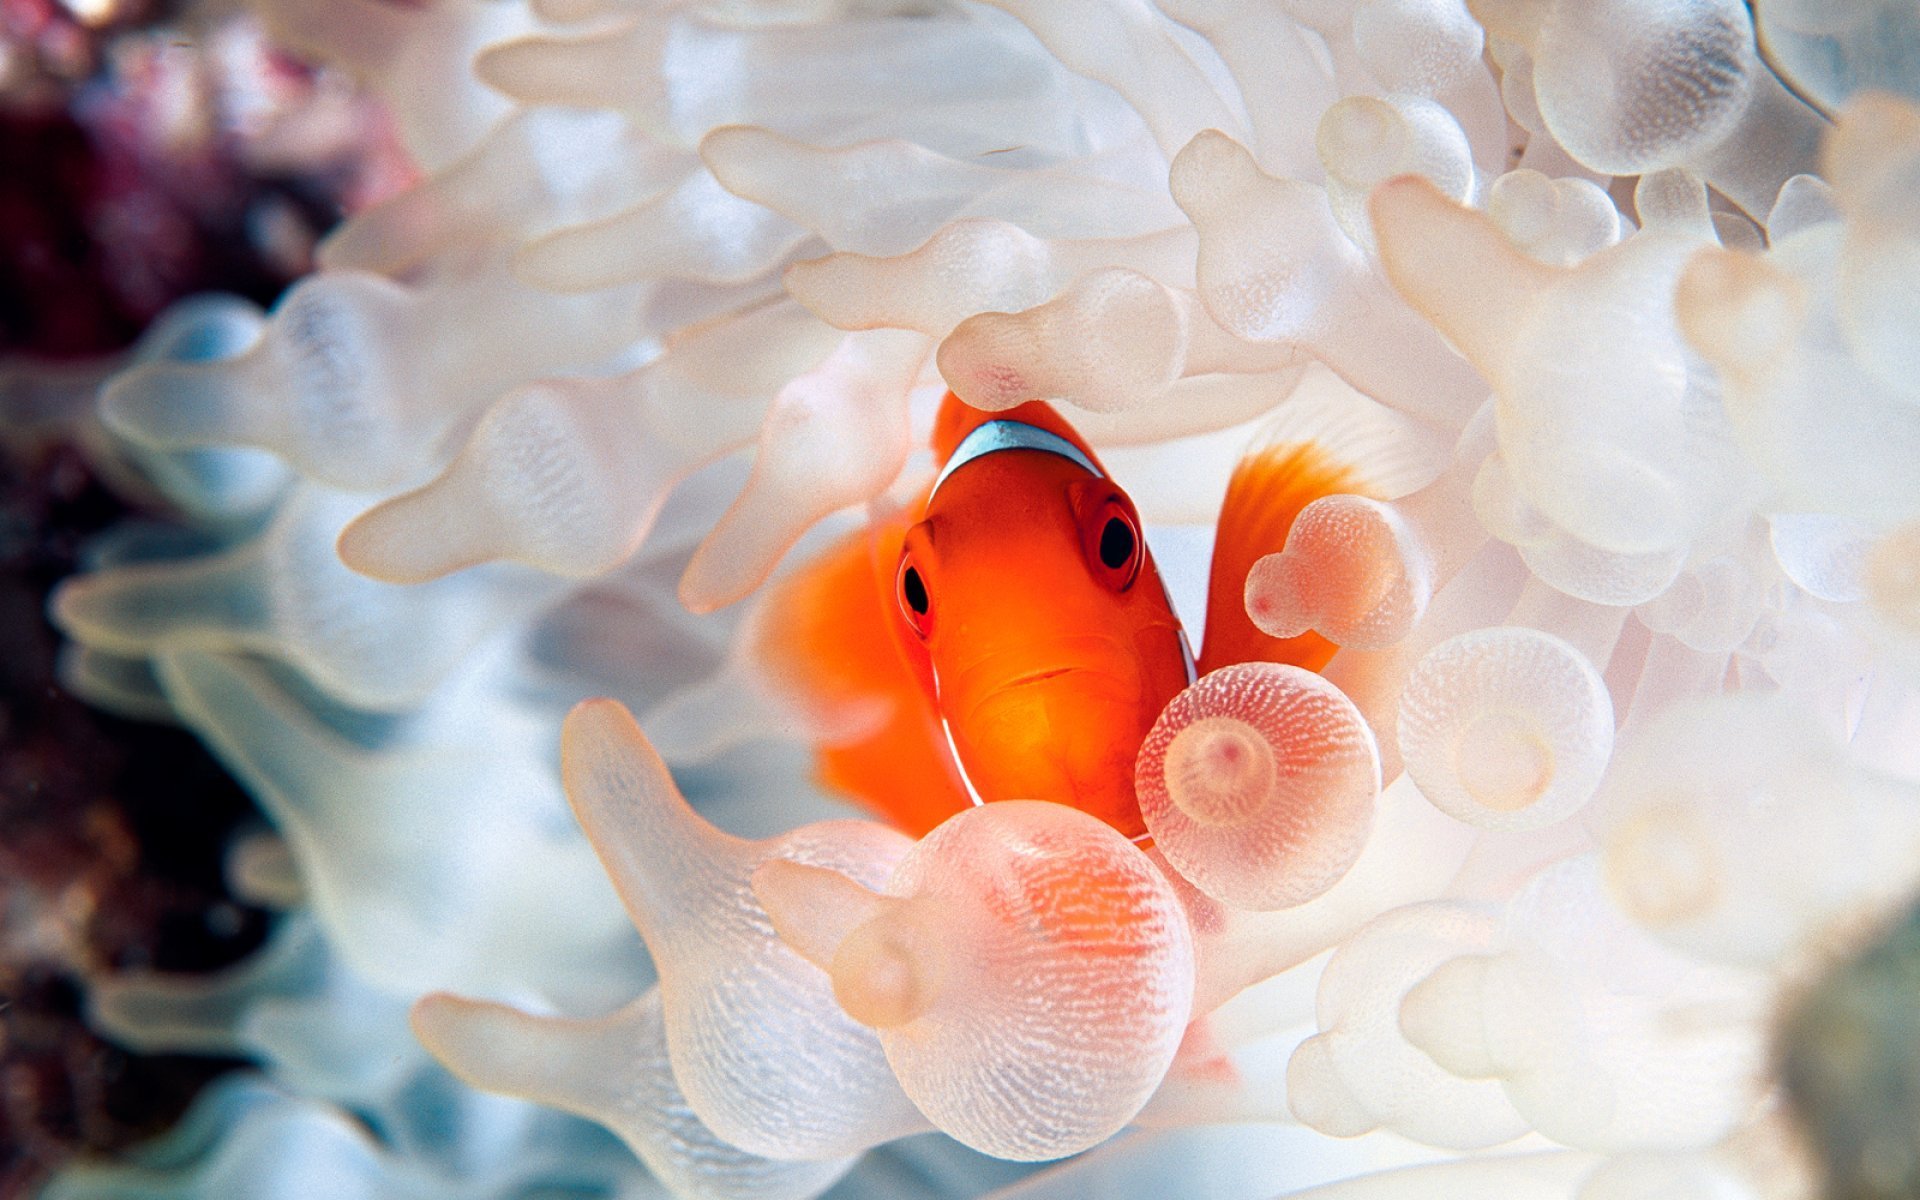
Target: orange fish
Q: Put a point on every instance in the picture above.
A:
(1013, 626)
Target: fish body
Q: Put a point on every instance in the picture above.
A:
(1012, 625)
(1031, 611)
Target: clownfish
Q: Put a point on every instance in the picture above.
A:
(1013, 625)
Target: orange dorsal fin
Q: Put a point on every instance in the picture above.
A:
(1318, 445)
(824, 639)
(957, 419)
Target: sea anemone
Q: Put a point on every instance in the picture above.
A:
(1615, 749)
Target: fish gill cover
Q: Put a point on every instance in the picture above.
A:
(1616, 752)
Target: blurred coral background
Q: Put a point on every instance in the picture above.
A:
(138, 165)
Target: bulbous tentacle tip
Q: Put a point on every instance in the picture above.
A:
(435, 1019)
(394, 236)
(972, 375)
(813, 909)
(1558, 221)
(1662, 867)
(614, 1070)
(485, 1045)
(972, 265)
(1409, 196)
(1506, 728)
(1441, 1016)
(625, 798)
(1114, 340)
(1890, 578)
(1363, 140)
(376, 544)
(994, 898)
(1258, 785)
(1317, 1096)
(1352, 570)
(449, 524)
(1220, 771)
(569, 12)
(204, 328)
(600, 724)
(208, 603)
(734, 146)
(891, 970)
(1875, 131)
(1363, 1070)
(1455, 267)
(1207, 171)
(1739, 311)
(172, 405)
(547, 70)
(705, 585)
(1359, 134)
(1675, 200)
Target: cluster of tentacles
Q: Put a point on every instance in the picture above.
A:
(1617, 745)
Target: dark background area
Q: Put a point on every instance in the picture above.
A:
(117, 197)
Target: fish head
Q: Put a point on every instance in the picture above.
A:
(1032, 609)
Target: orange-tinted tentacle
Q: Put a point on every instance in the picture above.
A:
(1268, 489)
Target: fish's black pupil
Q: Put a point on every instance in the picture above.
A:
(1116, 544)
(915, 590)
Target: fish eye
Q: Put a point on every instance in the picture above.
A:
(1113, 543)
(916, 605)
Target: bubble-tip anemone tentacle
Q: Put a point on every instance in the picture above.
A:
(1258, 784)
(1627, 610)
(764, 1055)
(1506, 728)
(565, 1063)
(944, 964)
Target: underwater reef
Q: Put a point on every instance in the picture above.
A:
(1553, 859)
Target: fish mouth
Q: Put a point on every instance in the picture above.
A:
(1039, 676)
(1077, 687)
(1100, 666)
